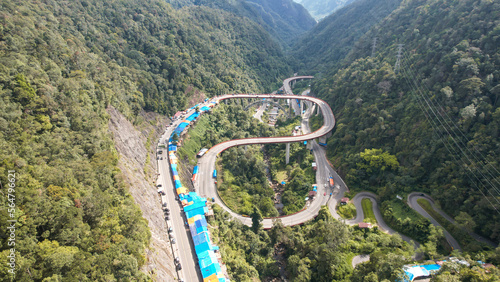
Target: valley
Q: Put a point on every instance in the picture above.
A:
(383, 166)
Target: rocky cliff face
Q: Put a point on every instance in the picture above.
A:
(136, 146)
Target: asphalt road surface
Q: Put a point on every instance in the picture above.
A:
(206, 187)
(183, 248)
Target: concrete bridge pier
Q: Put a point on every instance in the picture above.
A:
(318, 111)
(287, 153)
(309, 144)
(322, 139)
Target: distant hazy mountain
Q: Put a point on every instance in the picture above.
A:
(285, 20)
(322, 8)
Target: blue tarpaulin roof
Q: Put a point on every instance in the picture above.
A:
(201, 222)
(197, 230)
(195, 170)
(193, 197)
(193, 116)
(205, 108)
(202, 242)
(205, 254)
(214, 268)
(200, 211)
(209, 259)
(178, 184)
(195, 205)
(172, 148)
(173, 167)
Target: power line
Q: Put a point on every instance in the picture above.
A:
(397, 66)
(426, 106)
(477, 156)
(374, 46)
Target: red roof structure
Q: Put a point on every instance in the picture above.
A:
(312, 193)
(364, 225)
(178, 114)
(344, 200)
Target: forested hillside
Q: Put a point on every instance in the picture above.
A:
(284, 20)
(61, 65)
(327, 44)
(432, 125)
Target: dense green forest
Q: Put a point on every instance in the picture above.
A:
(431, 126)
(284, 20)
(62, 64)
(328, 43)
(321, 250)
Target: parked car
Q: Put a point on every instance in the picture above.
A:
(170, 229)
(173, 241)
(167, 217)
(179, 266)
(177, 260)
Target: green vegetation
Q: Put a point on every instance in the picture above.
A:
(224, 122)
(331, 40)
(381, 111)
(299, 174)
(315, 122)
(405, 220)
(284, 20)
(61, 66)
(368, 211)
(347, 211)
(320, 250)
(464, 239)
(243, 185)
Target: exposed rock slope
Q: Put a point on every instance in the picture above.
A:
(139, 170)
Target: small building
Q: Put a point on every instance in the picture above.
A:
(365, 225)
(177, 115)
(344, 201)
(312, 193)
(314, 165)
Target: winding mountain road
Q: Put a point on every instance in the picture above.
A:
(205, 186)
(412, 201)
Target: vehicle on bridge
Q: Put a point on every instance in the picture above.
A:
(215, 173)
